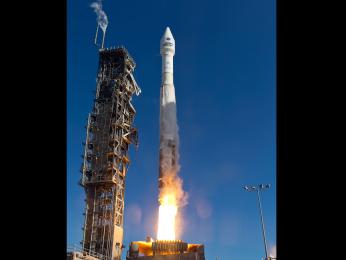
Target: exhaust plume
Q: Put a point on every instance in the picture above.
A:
(170, 182)
(171, 193)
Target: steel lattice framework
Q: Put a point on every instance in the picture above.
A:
(106, 158)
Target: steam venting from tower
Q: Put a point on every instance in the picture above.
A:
(102, 20)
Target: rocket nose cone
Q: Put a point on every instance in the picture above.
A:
(167, 36)
(167, 43)
(167, 33)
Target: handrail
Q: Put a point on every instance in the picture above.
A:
(77, 248)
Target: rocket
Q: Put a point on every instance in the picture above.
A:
(168, 118)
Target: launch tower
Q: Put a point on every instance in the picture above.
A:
(110, 131)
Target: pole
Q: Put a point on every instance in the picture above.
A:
(103, 38)
(97, 32)
(262, 222)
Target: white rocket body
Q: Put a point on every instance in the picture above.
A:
(167, 50)
(168, 117)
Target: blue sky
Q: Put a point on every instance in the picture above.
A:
(225, 81)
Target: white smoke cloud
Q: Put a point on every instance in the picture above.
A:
(102, 18)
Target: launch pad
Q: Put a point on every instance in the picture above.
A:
(165, 250)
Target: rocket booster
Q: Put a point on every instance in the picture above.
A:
(168, 118)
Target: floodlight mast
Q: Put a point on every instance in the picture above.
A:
(258, 189)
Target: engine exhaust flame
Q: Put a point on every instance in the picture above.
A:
(167, 213)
